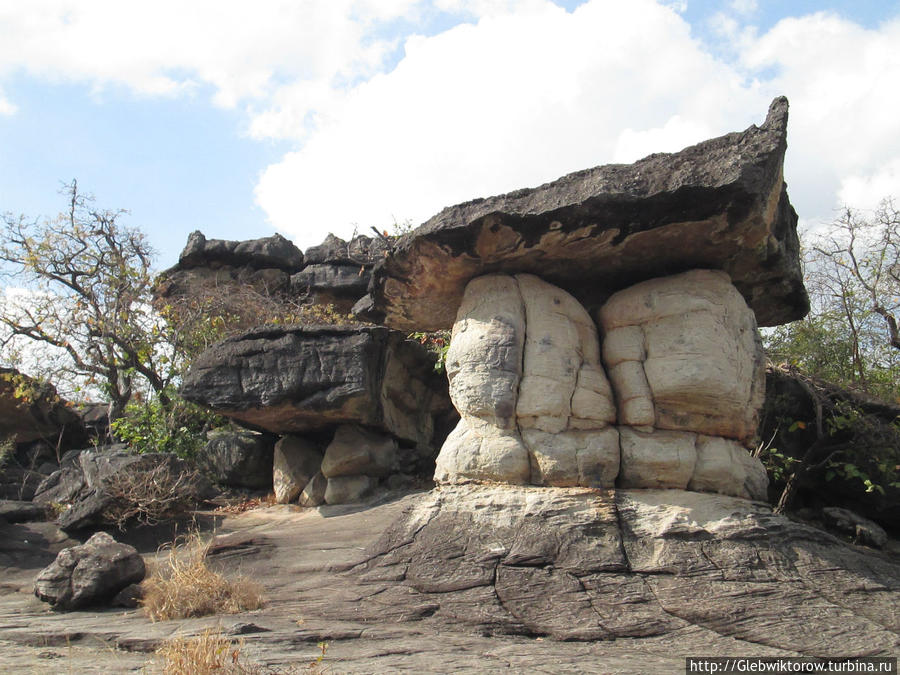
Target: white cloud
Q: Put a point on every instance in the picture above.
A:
(241, 49)
(866, 191)
(521, 94)
(842, 83)
(515, 100)
(6, 106)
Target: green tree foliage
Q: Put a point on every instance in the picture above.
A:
(852, 272)
(89, 280)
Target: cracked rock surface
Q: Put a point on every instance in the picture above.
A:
(592, 564)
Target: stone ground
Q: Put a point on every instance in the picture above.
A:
(298, 555)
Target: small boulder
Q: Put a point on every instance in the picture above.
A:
(348, 489)
(14, 511)
(296, 461)
(89, 574)
(241, 459)
(314, 492)
(355, 451)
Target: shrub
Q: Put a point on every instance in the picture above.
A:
(210, 652)
(151, 494)
(184, 586)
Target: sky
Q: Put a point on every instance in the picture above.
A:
(245, 119)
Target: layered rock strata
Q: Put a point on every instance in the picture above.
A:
(686, 379)
(595, 564)
(720, 204)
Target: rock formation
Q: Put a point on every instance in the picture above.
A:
(720, 204)
(592, 564)
(210, 265)
(685, 372)
(89, 574)
(364, 397)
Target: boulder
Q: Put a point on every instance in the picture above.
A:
(297, 461)
(273, 252)
(536, 407)
(348, 489)
(359, 251)
(331, 284)
(595, 564)
(684, 354)
(89, 574)
(720, 204)
(32, 410)
(314, 492)
(525, 375)
(355, 451)
(241, 459)
(295, 379)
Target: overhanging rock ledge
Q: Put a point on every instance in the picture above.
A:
(720, 204)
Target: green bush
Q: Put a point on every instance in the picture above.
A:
(148, 426)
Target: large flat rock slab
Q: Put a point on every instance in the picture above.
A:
(720, 204)
(290, 379)
(592, 564)
(302, 558)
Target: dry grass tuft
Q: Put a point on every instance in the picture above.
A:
(212, 653)
(184, 586)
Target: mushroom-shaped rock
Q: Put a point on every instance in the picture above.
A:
(720, 204)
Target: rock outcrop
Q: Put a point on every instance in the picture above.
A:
(212, 266)
(720, 204)
(685, 372)
(90, 574)
(101, 488)
(31, 410)
(295, 379)
(338, 272)
(593, 564)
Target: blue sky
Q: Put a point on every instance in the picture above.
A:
(312, 117)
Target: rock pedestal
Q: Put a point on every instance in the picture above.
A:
(686, 379)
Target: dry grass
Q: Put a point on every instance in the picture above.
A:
(184, 586)
(212, 653)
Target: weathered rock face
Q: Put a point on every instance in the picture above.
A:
(302, 378)
(240, 459)
(525, 376)
(338, 272)
(273, 252)
(297, 460)
(592, 564)
(208, 267)
(31, 410)
(721, 204)
(684, 354)
(536, 406)
(89, 574)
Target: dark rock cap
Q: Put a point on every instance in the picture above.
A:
(720, 204)
(267, 252)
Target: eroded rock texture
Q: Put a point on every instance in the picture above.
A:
(536, 407)
(525, 376)
(720, 204)
(294, 379)
(589, 564)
